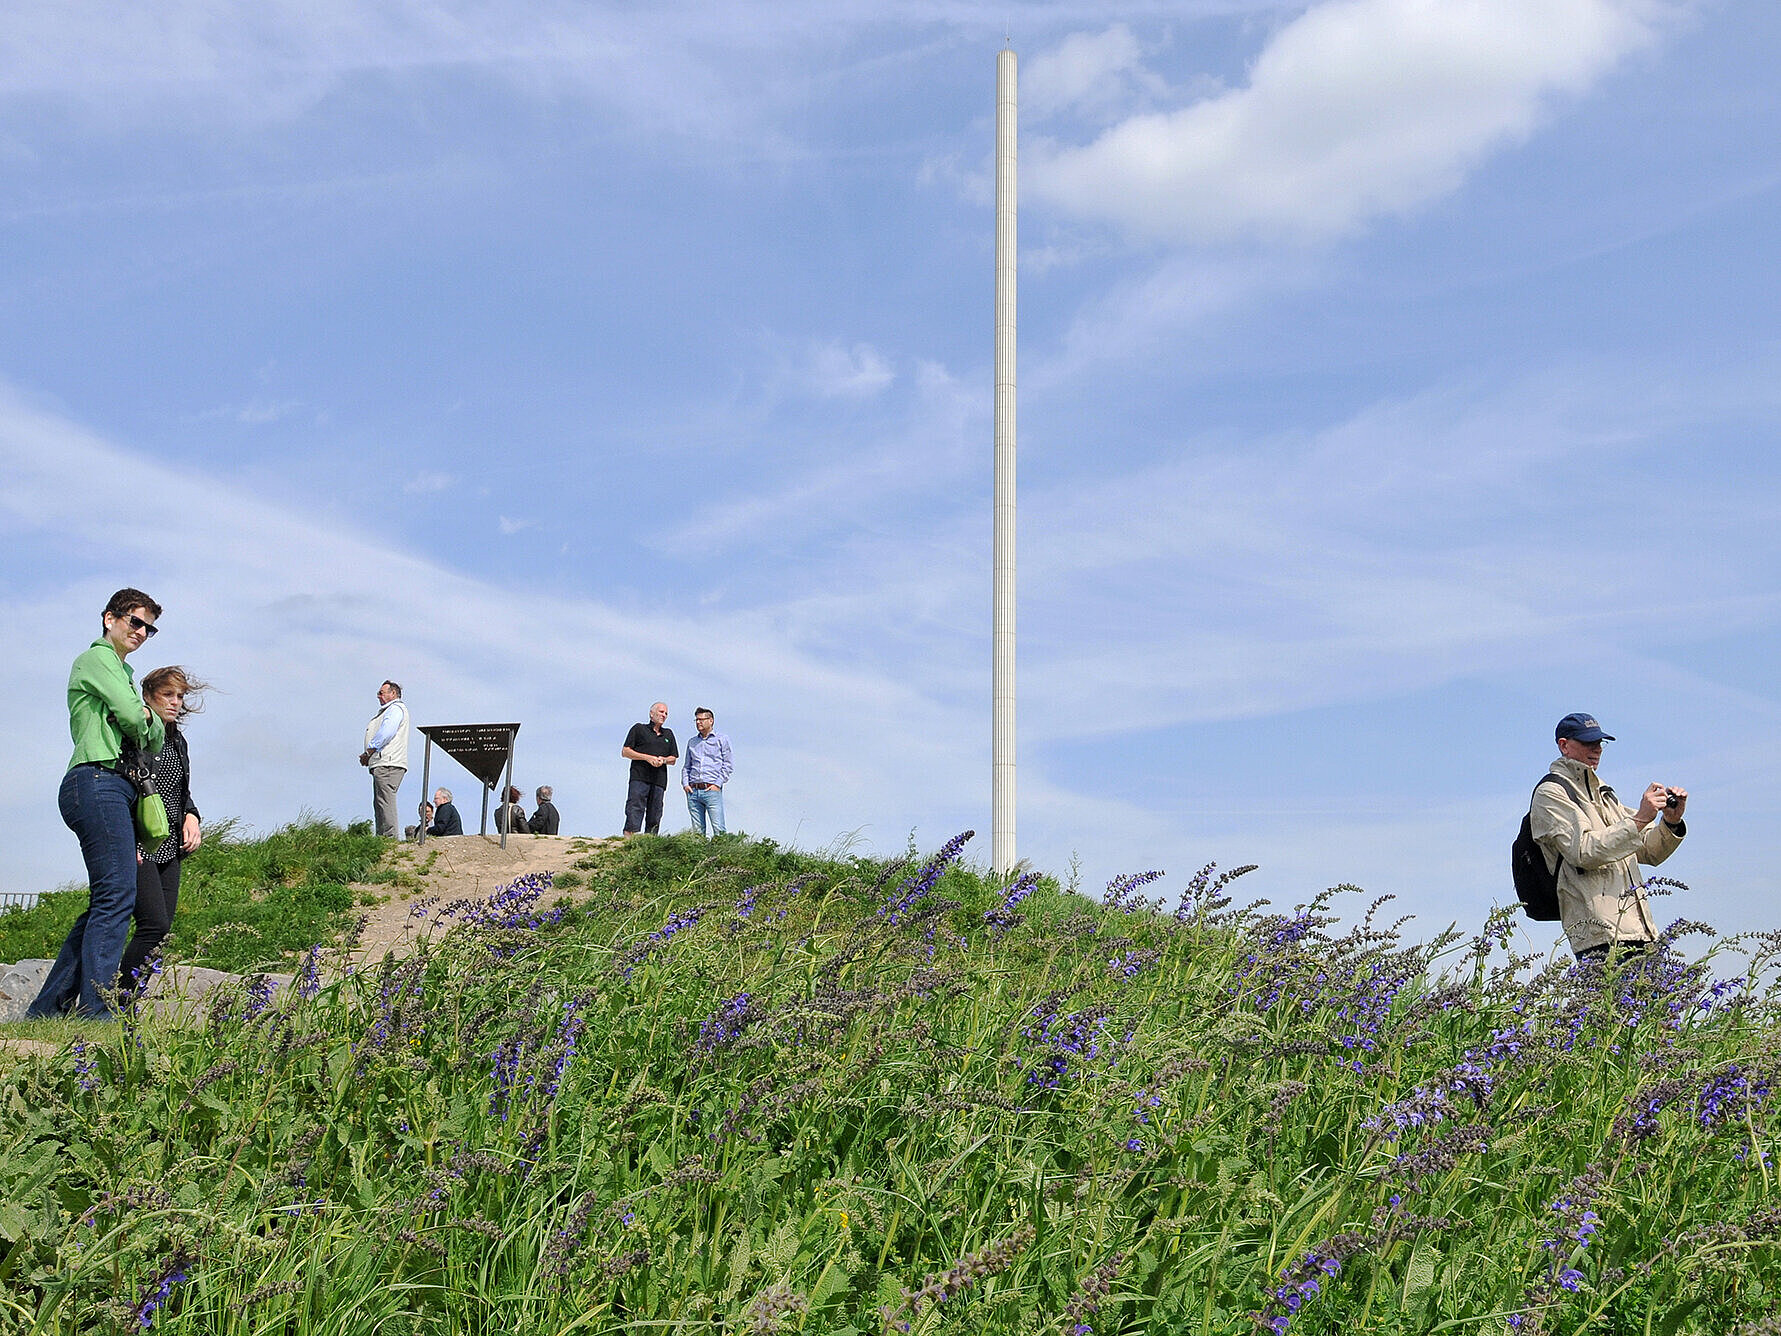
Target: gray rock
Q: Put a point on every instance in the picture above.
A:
(179, 987)
(19, 986)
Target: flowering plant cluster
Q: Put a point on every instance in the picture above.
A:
(746, 1089)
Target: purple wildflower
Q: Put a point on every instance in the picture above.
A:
(259, 995)
(1122, 892)
(1060, 1038)
(309, 976)
(154, 1298)
(725, 1025)
(1727, 1096)
(1003, 918)
(913, 889)
(84, 1062)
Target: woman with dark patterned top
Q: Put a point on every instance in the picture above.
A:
(157, 870)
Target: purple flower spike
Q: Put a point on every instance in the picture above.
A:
(902, 901)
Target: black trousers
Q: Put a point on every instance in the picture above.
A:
(157, 894)
(1627, 949)
(642, 800)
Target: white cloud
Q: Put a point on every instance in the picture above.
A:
(719, 72)
(296, 619)
(835, 371)
(254, 413)
(424, 483)
(928, 446)
(1089, 73)
(511, 526)
(1389, 553)
(1356, 110)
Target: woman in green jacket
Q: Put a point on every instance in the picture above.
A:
(97, 801)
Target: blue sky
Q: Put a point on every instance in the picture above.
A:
(1395, 378)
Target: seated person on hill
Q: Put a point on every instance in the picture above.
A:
(545, 820)
(510, 817)
(442, 817)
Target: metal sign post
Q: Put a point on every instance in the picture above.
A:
(482, 749)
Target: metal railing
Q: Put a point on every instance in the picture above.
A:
(17, 900)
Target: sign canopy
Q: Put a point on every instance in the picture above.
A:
(482, 749)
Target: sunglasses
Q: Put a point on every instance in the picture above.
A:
(148, 629)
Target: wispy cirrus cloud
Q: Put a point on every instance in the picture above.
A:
(430, 481)
(297, 617)
(715, 72)
(834, 370)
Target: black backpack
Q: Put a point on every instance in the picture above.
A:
(1536, 885)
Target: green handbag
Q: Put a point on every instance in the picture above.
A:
(151, 820)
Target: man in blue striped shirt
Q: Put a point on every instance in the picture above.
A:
(707, 770)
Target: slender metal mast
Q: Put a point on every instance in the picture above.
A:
(1002, 857)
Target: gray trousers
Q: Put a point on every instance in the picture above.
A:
(385, 780)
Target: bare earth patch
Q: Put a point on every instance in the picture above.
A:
(456, 867)
(28, 1048)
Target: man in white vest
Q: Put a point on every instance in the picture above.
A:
(386, 753)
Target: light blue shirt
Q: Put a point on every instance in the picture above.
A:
(392, 717)
(708, 759)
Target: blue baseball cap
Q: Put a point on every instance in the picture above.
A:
(1581, 728)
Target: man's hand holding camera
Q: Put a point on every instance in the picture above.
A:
(1659, 800)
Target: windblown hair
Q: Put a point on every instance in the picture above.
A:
(179, 678)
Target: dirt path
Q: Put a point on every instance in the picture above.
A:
(411, 878)
(457, 867)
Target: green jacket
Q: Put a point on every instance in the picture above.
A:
(103, 708)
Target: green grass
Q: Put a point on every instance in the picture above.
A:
(744, 1089)
(243, 903)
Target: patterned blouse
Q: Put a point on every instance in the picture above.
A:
(170, 768)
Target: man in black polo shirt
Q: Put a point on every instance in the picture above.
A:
(652, 751)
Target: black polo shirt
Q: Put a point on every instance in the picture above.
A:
(643, 738)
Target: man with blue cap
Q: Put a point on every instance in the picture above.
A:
(1595, 843)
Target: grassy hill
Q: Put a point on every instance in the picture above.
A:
(742, 1089)
(243, 903)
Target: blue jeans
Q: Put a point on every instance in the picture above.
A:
(96, 806)
(702, 804)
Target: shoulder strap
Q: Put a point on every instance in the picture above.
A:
(1563, 783)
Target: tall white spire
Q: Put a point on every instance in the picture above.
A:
(1002, 856)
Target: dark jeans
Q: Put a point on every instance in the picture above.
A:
(644, 797)
(95, 805)
(157, 895)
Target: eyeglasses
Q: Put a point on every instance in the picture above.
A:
(148, 629)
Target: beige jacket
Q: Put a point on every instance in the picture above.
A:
(1601, 848)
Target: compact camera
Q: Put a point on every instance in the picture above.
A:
(1672, 801)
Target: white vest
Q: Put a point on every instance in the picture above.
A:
(395, 751)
